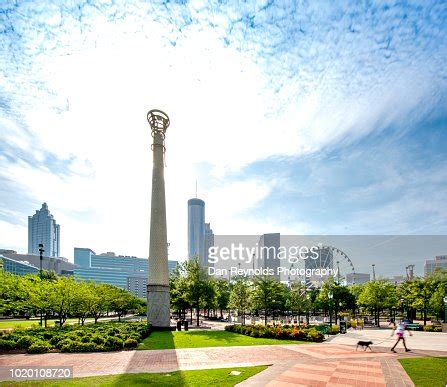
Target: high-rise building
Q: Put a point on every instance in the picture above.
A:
(209, 242)
(268, 246)
(440, 262)
(42, 228)
(196, 230)
(127, 272)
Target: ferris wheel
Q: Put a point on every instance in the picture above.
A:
(328, 262)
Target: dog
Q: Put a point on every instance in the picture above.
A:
(364, 345)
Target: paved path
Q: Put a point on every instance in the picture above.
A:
(308, 364)
(425, 341)
(334, 365)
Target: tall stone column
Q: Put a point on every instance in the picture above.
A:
(158, 311)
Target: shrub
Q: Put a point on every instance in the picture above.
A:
(39, 346)
(61, 343)
(279, 332)
(313, 335)
(297, 334)
(109, 336)
(334, 330)
(256, 333)
(25, 342)
(78, 346)
(86, 347)
(68, 345)
(97, 339)
(7, 345)
(432, 328)
(48, 335)
(113, 343)
(130, 343)
(86, 339)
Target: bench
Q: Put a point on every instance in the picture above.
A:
(324, 329)
(414, 327)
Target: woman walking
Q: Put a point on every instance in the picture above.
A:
(400, 333)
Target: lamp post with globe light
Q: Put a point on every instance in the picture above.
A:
(330, 296)
(445, 310)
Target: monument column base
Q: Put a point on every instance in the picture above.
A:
(158, 306)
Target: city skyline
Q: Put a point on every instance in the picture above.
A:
(386, 265)
(332, 124)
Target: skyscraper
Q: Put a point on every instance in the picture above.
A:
(268, 253)
(42, 228)
(209, 242)
(196, 230)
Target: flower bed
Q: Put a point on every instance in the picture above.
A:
(110, 336)
(277, 332)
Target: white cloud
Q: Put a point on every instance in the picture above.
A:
(83, 91)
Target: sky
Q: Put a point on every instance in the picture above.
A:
(322, 117)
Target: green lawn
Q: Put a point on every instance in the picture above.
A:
(430, 371)
(7, 324)
(217, 377)
(197, 339)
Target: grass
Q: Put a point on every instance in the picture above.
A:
(13, 324)
(219, 377)
(430, 372)
(198, 339)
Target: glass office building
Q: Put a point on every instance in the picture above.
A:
(196, 230)
(18, 267)
(42, 228)
(127, 272)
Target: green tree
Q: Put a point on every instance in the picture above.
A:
(80, 301)
(355, 290)
(210, 295)
(298, 300)
(38, 299)
(268, 295)
(223, 295)
(437, 304)
(376, 296)
(421, 291)
(61, 297)
(178, 290)
(122, 301)
(97, 303)
(240, 297)
(197, 285)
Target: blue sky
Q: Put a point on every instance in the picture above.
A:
(296, 117)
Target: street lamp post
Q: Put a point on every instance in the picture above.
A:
(402, 301)
(445, 310)
(330, 296)
(41, 251)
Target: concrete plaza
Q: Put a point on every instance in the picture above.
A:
(307, 364)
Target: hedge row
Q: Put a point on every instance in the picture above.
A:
(110, 336)
(277, 332)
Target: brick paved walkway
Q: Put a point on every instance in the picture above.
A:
(307, 364)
